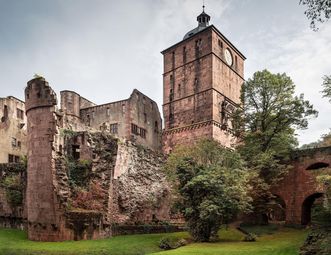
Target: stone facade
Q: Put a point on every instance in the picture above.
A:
(80, 183)
(298, 190)
(12, 130)
(136, 118)
(202, 80)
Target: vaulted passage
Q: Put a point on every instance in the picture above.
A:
(307, 206)
(318, 165)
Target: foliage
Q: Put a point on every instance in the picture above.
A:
(324, 180)
(327, 87)
(318, 11)
(284, 242)
(67, 133)
(272, 112)
(91, 199)
(14, 189)
(167, 243)
(212, 184)
(317, 242)
(250, 237)
(78, 172)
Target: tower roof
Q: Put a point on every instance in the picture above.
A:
(203, 22)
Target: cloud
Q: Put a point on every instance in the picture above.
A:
(103, 49)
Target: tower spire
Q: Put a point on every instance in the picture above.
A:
(203, 18)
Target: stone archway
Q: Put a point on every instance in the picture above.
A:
(306, 208)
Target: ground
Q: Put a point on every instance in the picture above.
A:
(281, 242)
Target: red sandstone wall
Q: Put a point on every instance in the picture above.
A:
(196, 81)
(300, 183)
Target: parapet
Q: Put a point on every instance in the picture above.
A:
(39, 94)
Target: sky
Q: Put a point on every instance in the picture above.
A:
(103, 49)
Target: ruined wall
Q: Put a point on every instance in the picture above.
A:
(13, 212)
(125, 181)
(141, 192)
(12, 130)
(72, 193)
(117, 118)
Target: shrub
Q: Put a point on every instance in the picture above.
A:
(14, 189)
(250, 237)
(167, 243)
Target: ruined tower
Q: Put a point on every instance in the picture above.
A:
(43, 209)
(202, 79)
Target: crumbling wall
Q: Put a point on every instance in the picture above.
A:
(141, 192)
(12, 195)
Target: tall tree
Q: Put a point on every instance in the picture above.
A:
(318, 11)
(212, 186)
(327, 87)
(271, 115)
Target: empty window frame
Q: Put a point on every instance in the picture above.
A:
(113, 128)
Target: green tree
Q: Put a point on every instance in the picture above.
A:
(212, 186)
(267, 129)
(318, 11)
(327, 87)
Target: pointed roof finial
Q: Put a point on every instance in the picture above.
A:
(203, 6)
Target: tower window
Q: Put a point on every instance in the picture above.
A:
(108, 111)
(113, 128)
(134, 129)
(236, 61)
(19, 113)
(143, 133)
(173, 59)
(220, 43)
(184, 54)
(171, 95)
(145, 117)
(156, 127)
(13, 142)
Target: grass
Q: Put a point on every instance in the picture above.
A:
(283, 242)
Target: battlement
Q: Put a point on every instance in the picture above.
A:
(39, 94)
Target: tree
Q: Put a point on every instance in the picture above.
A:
(267, 129)
(318, 11)
(212, 186)
(327, 87)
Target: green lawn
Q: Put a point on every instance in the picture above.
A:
(283, 242)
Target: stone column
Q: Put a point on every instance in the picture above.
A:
(44, 214)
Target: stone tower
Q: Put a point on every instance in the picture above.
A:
(202, 79)
(44, 215)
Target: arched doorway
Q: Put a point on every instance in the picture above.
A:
(307, 206)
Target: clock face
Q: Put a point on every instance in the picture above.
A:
(228, 57)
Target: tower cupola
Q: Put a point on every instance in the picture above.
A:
(203, 18)
(203, 22)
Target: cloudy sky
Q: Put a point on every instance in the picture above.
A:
(103, 49)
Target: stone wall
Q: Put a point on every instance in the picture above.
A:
(12, 130)
(13, 213)
(82, 183)
(298, 189)
(200, 89)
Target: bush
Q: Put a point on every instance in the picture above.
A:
(167, 243)
(14, 189)
(250, 237)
